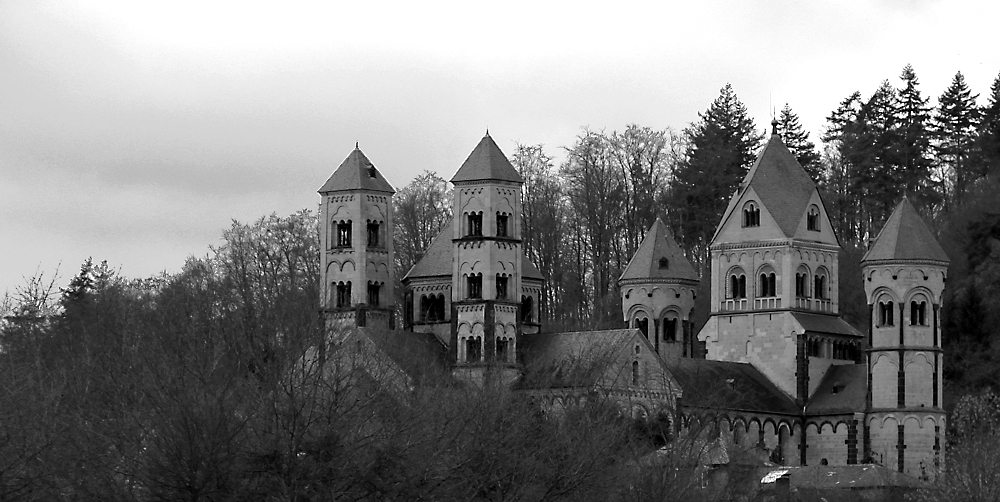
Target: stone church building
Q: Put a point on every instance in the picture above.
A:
(775, 367)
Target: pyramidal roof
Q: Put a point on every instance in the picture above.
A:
(905, 236)
(658, 243)
(487, 162)
(783, 187)
(436, 261)
(357, 173)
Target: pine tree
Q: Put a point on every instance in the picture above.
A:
(955, 125)
(797, 141)
(721, 148)
(913, 116)
(988, 139)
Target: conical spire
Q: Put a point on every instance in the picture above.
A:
(487, 162)
(656, 246)
(905, 236)
(357, 173)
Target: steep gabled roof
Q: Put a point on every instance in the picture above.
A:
(357, 173)
(825, 324)
(487, 162)
(724, 385)
(783, 187)
(436, 261)
(658, 243)
(528, 269)
(905, 236)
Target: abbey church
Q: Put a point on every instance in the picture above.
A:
(774, 368)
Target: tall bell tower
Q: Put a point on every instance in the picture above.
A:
(356, 241)
(486, 264)
(904, 274)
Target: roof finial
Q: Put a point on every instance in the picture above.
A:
(774, 127)
(356, 145)
(487, 130)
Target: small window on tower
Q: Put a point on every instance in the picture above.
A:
(664, 263)
(473, 350)
(501, 224)
(501, 287)
(475, 286)
(373, 234)
(502, 344)
(527, 305)
(476, 224)
(751, 215)
(373, 294)
(344, 234)
(372, 173)
(344, 295)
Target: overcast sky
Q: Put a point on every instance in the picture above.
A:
(133, 132)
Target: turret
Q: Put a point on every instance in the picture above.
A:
(356, 239)
(658, 289)
(904, 275)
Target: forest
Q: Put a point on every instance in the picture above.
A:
(192, 385)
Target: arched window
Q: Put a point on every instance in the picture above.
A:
(373, 234)
(501, 282)
(751, 215)
(635, 372)
(527, 305)
(812, 218)
(885, 313)
(344, 294)
(344, 234)
(820, 284)
(670, 330)
(918, 312)
(737, 284)
(474, 286)
(767, 282)
(473, 350)
(642, 324)
(439, 304)
(664, 263)
(374, 288)
(501, 224)
(501, 349)
(802, 282)
(475, 224)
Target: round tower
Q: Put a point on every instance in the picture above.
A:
(904, 275)
(658, 289)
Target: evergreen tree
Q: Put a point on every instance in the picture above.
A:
(721, 148)
(797, 141)
(988, 140)
(955, 125)
(913, 116)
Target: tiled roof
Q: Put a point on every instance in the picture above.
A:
(658, 243)
(355, 173)
(706, 384)
(487, 162)
(905, 236)
(825, 323)
(419, 355)
(783, 187)
(436, 261)
(571, 359)
(851, 381)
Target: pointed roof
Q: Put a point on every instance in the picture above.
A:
(905, 237)
(487, 162)
(659, 243)
(529, 270)
(357, 173)
(781, 184)
(436, 261)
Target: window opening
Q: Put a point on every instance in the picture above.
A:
(373, 234)
(473, 350)
(475, 286)
(737, 286)
(670, 330)
(526, 307)
(373, 294)
(812, 219)
(501, 287)
(885, 312)
(751, 215)
(664, 263)
(475, 224)
(501, 225)
(344, 234)
(344, 294)
(918, 312)
(502, 349)
(635, 372)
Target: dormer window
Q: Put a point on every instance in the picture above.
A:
(812, 219)
(501, 224)
(372, 173)
(751, 215)
(664, 263)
